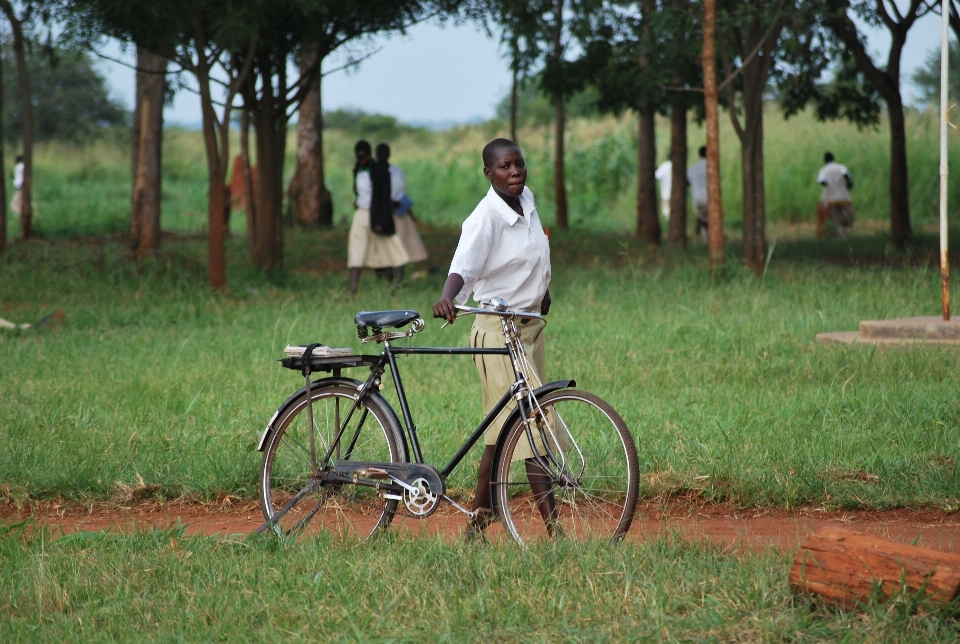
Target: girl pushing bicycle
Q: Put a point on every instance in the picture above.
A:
(502, 253)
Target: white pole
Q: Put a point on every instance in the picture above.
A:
(944, 106)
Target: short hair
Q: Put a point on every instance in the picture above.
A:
(383, 150)
(828, 157)
(362, 146)
(492, 149)
(19, 158)
(703, 151)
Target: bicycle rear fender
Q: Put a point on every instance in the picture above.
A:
(350, 383)
(514, 417)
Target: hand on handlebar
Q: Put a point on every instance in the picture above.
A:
(446, 309)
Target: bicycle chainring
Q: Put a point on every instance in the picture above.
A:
(423, 501)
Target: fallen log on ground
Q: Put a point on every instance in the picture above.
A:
(846, 567)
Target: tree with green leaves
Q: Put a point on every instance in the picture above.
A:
(26, 17)
(627, 59)
(836, 16)
(927, 78)
(749, 35)
(537, 34)
(280, 32)
(197, 37)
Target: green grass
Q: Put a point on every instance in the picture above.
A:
(155, 376)
(159, 585)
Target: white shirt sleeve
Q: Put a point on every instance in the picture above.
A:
(821, 178)
(476, 242)
(364, 190)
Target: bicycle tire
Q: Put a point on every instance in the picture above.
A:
(341, 509)
(593, 477)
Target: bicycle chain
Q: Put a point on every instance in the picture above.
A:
(397, 512)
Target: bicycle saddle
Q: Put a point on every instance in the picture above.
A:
(385, 319)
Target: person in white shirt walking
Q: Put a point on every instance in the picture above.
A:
(372, 241)
(503, 252)
(402, 210)
(17, 202)
(835, 201)
(664, 175)
(697, 178)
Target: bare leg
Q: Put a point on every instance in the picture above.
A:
(481, 498)
(541, 485)
(354, 280)
(398, 274)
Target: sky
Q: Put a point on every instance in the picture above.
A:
(441, 75)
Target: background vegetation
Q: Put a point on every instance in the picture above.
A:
(84, 189)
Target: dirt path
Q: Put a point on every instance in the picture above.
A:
(732, 529)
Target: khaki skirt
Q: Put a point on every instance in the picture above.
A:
(410, 238)
(366, 248)
(496, 373)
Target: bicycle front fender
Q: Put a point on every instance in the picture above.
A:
(514, 417)
(323, 382)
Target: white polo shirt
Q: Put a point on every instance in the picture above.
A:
(398, 183)
(364, 189)
(833, 175)
(501, 254)
(697, 177)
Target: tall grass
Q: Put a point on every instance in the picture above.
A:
(85, 190)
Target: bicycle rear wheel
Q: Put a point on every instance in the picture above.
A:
(585, 482)
(297, 496)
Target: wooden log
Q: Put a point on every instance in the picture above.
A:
(845, 567)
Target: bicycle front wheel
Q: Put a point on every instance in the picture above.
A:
(297, 493)
(578, 479)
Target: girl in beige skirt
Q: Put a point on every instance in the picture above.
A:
(503, 252)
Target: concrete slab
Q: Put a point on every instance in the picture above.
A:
(926, 328)
(903, 331)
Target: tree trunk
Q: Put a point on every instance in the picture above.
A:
(145, 206)
(249, 192)
(711, 99)
(900, 229)
(26, 107)
(306, 187)
(513, 109)
(751, 152)
(677, 227)
(560, 117)
(648, 221)
(271, 139)
(3, 183)
(847, 568)
(135, 157)
(217, 188)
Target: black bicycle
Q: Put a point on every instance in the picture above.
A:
(336, 457)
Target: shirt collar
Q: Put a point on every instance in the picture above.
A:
(505, 211)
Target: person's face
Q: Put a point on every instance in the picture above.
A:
(508, 175)
(363, 158)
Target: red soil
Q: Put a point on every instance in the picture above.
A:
(731, 528)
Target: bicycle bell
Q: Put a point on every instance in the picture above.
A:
(499, 304)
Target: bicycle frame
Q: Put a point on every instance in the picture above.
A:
(387, 358)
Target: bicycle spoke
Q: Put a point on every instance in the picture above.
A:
(343, 507)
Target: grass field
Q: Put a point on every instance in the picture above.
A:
(156, 383)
